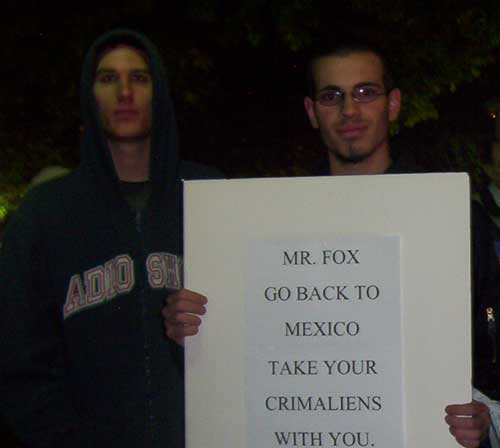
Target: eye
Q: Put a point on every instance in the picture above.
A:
(330, 96)
(140, 77)
(106, 78)
(364, 93)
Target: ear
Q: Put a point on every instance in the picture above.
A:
(311, 113)
(394, 104)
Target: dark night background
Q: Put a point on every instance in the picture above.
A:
(237, 74)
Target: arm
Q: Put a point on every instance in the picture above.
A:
(494, 410)
(181, 314)
(36, 399)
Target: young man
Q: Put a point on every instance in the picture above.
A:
(352, 101)
(87, 263)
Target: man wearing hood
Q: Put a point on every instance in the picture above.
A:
(87, 263)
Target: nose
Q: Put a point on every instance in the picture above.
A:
(349, 106)
(124, 90)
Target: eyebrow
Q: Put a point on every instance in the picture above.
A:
(112, 70)
(359, 84)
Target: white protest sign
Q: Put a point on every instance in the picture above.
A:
(339, 310)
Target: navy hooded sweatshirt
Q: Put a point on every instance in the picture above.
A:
(83, 277)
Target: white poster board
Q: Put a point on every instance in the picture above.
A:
(339, 310)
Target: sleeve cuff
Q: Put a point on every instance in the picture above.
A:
(494, 408)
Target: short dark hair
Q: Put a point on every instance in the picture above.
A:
(346, 49)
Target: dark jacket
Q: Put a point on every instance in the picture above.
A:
(83, 357)
(487, 308)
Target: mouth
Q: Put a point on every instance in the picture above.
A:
(125, 114)
(351, 132)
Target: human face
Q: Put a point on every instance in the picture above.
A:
(123, 91)
(353, 131)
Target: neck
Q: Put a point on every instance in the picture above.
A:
(131, 159)
(377, 163)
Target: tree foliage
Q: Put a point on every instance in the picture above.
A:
(433, 50)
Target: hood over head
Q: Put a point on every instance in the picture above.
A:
(95, 154)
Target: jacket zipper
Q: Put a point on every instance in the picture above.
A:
(492, 332)
(147, 349)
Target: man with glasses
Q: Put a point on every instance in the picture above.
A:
(352, 101)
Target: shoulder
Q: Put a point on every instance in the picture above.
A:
(483, 227)
(192, 170)
(47, 197)
(44, 202)
(478, 211)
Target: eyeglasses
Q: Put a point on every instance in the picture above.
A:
(360, 94)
